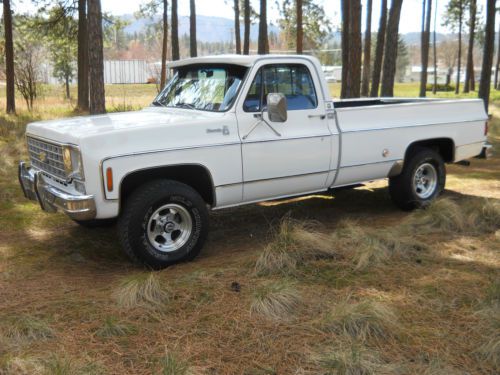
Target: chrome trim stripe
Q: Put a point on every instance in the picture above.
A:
(472, 143)
(49, 140)
(243, 203)
(409, 102)
(410, 126)
(290, 138)
(275, 178)
(339, 156)
(376, 162)
(169, 149)
(311, 173)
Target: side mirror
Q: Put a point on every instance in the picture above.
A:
(276, 107)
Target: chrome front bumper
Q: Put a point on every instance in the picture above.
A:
(51, 199)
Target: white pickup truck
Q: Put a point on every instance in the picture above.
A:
(233, 130)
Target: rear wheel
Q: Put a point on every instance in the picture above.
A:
(162, 223)
(422, 180)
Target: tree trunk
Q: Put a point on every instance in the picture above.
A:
(96, 63)
(246, 37)
(489, 46)
(354, 67)
(300, 30)
(66, 85)
(345, 45)
(379, 51)
(391, 49)
(237, 26)
(175, 32)
(9, 58)
(192, 29)
(497, 67)
(365, 86)
(459, 62)
(426, 33)
(434, 49)
(164, 46)
(83, 57)
(263, 46)
(469, 70)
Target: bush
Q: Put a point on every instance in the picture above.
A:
(440, 87)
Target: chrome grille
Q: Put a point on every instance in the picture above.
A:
(47, 156)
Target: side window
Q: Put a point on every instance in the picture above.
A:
(294, 81)
(252, 101)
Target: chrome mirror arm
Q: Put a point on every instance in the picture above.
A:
(260, 117)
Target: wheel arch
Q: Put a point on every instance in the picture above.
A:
(194, 175)
(443, 145)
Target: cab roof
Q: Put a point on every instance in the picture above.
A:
(243, 60)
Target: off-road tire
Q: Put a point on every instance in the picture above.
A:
(135, 215)
(96, 223)
(401, 187)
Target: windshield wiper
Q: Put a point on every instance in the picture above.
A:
(185, 105)
(158, 104)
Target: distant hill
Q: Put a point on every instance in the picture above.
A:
(208, 29)
(414, 38)
(220, 29)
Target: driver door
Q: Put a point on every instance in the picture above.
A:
(283, 158)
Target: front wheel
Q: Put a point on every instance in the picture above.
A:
(162, 223)
(422, 180)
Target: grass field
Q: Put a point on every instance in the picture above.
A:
(342, 284)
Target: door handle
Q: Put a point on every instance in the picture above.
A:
(321, 117)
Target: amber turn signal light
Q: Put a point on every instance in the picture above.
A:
(109, 179)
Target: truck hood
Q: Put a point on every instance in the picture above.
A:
(75, 129)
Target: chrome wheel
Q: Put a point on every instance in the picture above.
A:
(425, 180)
(169, 227)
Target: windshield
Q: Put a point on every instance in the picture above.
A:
(202, 87)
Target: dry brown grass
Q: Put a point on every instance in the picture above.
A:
(293, 244)
(361, 320)
(54, 364)
(114, 328)
(489, 326)
(277, 301)
(25, 329)
(473, 216)
(21, 366)
(489, 349)
(171, 364)
(351, 358)
(435, 293)
(367, 247)
(141, 290)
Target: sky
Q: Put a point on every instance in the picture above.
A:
(410, 15)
